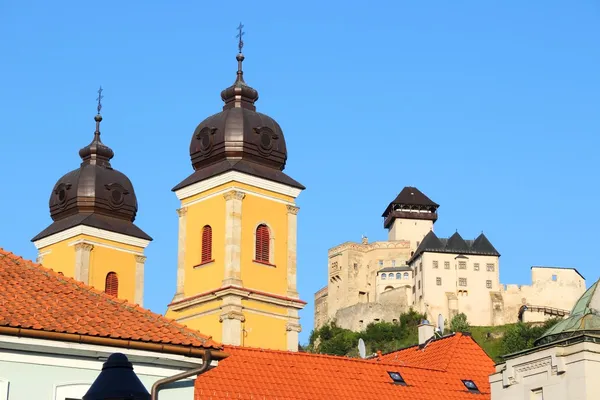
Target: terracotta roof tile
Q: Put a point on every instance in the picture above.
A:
(268, 374)
(38, 298)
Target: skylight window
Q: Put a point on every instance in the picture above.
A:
(471, 386)
(397, 378)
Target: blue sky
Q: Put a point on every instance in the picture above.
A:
(491, 108)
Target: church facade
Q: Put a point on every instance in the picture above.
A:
(372, 282)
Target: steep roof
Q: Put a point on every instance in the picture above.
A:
(35, 298)
(266, 374)
(411, 196)
(455, 244)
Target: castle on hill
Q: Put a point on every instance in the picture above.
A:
(372, 282)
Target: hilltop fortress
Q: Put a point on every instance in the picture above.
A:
(372, 282)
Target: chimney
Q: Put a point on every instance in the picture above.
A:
(426, 331)
(365, 240)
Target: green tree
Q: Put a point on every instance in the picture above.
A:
(459, 323)
(521, 336)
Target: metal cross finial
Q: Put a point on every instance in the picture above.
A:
(100, 97)
(240, 35)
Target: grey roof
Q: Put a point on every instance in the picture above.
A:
(456, 245)
(395, 269)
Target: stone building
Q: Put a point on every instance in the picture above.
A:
(371, 282)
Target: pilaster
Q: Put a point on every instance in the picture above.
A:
(292, 331)
(232, 319)
(139, 280)
(233, 237)
(82, 262)
(292, 216)
(182, 213)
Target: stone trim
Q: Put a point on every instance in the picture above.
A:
(82, 262)
(233, 237)
(399, 244)
(292, 235)
(181, 243)
(232, 315)
(139, 280)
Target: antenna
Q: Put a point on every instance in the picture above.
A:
(440, 323)
(362, 351)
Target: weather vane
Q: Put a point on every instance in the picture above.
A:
(100, 97)
(239, 36)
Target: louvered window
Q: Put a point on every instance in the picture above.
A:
(206, 244)
(262, 244)
(112, 284)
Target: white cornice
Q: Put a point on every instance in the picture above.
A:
(89, 231)
(238, 189)
(210, 183)
(245, 294)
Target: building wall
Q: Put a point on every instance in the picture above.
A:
(320, 305)
(411, 230)
(90, 258)
(69, 372)
(555, 373)
(448, 284)
(266, 317)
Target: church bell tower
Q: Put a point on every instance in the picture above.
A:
(92, 237)
(236, 266)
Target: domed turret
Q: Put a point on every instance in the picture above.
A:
(239, 138)
(95, 194)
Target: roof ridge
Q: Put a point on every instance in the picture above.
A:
(448, 336)
(123, 303)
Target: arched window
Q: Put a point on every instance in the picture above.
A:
(391, 275)
(398, 275)
(206, 244)
(383, 276)
(112, 284)
(406, 275)
(262, 244)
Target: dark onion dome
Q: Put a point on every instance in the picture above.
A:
(94, 195)
(238, 139)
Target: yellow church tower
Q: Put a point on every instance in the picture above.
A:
(92, 237)
(236, 267)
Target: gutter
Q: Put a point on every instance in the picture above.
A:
(206, 359)
(189, 351)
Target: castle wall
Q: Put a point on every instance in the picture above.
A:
(321, 308)
(411, 230)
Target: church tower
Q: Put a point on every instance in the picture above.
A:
(236, 267)
(92, 237)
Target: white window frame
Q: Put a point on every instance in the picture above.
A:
(73, 390)
(4, 383)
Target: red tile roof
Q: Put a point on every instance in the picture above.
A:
(37, 298)
(267, 374)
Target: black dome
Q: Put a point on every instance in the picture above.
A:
(95, 194)
(238, 132)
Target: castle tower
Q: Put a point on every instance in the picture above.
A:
(92, 237)
(410, 216)
(236, 267)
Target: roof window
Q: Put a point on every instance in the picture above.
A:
(470, 385)
(397, 378)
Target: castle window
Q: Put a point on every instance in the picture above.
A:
(446, 264)
(554, 278)
(391, 275)
(398, 275)
(263, 238)
(462, 281)
(393, 263)
(419, 284)
(490, 267)
(462, 265)
(435, 264)
(476, 267)
(488, 284)
(111, 285)
(206, 244)
(381, 263)
(438, 281)
(406, 275)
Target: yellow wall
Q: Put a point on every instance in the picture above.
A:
(106, 256)
(206, 277)
(264, 332)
